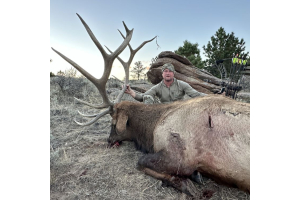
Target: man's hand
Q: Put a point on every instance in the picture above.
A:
(129, 91)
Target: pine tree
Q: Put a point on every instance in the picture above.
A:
(137, 70)
(223, 45)
(191, 52)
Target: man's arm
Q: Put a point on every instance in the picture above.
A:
(139, 97)
(191, 91)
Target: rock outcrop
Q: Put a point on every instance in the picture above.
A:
(200, 80)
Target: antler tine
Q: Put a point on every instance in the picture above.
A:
(125, 42)
(126, 68)
(91, 105)
(85, 115)
(99, 46)
(137, 49)
(104, 54)
(80, 69)
(133, 52)
(106, 101)
(124, 38)
(115, 54)
(108, 60)
(121, 61)
(106, 111)
(126, 65)
(127, 30)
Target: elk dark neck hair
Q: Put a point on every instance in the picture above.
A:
(142, 119)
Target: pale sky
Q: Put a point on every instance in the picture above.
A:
(173, 21)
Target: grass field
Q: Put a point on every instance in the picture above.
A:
(82, 167)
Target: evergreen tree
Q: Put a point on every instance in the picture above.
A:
(137, 70)
(191, 52)
(223, 45)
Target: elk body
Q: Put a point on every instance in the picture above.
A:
(207, 134)
(210, 134)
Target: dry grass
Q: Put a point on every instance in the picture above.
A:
(83, 168)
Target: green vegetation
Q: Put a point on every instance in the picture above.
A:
(192, 53)
(223, 45)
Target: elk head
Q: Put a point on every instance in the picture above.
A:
(117, 122)
(118, 131)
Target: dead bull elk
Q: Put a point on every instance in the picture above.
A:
(210, 134)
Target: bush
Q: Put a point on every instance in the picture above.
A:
(71, 86)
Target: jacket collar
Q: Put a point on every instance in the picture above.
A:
(163, 84)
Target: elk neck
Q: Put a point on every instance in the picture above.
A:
(142, 119)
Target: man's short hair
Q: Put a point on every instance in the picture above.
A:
(168, 66)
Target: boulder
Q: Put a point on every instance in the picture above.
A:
(200, 80)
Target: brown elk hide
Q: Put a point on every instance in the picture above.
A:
(209, 134)
(121, 123)
(215, 131)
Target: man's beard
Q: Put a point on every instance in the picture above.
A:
(168, 79)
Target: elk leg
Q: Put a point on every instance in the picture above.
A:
(166, 162)
(158, 164)
(184, 185)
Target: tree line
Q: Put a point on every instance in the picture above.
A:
(221, 45)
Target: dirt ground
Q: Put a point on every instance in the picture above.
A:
(81, 165)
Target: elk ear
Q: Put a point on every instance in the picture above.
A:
(121, 123)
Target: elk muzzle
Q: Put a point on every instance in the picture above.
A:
(113, 139)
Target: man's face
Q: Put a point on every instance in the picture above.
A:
(168, 75)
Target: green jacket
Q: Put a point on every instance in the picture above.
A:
(174, 93)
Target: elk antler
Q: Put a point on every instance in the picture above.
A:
(108, 61)
(127, 64)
